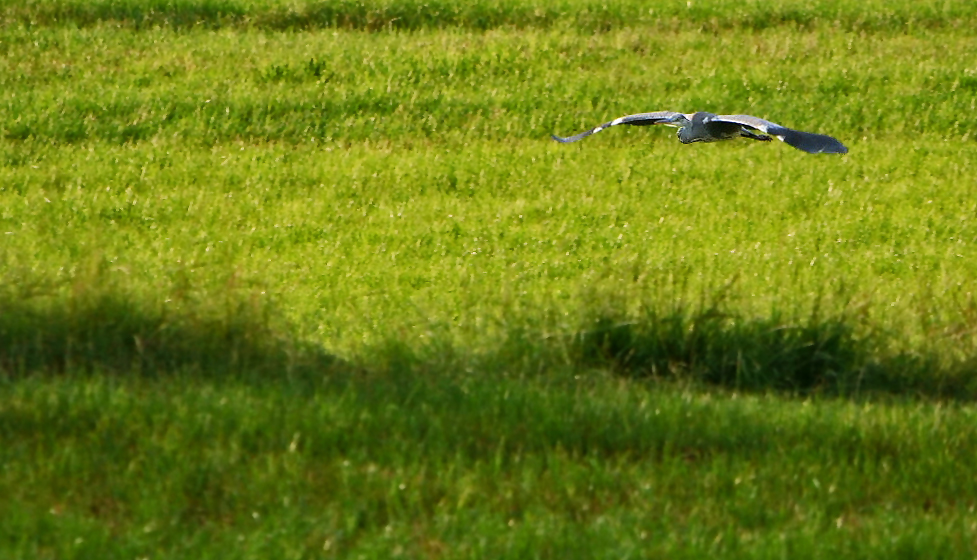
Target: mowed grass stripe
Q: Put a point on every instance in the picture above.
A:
(279, 15)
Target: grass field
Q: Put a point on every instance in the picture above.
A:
(310, 280)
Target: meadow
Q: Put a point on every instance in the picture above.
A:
(310, 280)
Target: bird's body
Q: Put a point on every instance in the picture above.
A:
(709, 127)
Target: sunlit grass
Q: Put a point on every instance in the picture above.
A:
(451, 88)
(361, 242)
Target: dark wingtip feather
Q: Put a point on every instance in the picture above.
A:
(560, 139)
(812, 143)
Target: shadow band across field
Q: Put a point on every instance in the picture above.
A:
(109, 334)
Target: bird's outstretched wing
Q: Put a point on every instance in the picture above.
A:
(640, 119)
(807, 141)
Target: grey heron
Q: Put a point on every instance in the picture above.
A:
(709, 127)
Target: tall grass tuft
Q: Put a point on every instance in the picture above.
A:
(819, 355)
(720, 348)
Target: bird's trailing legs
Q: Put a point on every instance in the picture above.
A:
(749, 134)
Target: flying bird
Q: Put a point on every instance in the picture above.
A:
(708, 127)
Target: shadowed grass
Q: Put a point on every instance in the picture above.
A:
(111, 333)
(821, 356)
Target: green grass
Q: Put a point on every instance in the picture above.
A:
(309, 280)
(475, 466)
(586, 15)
